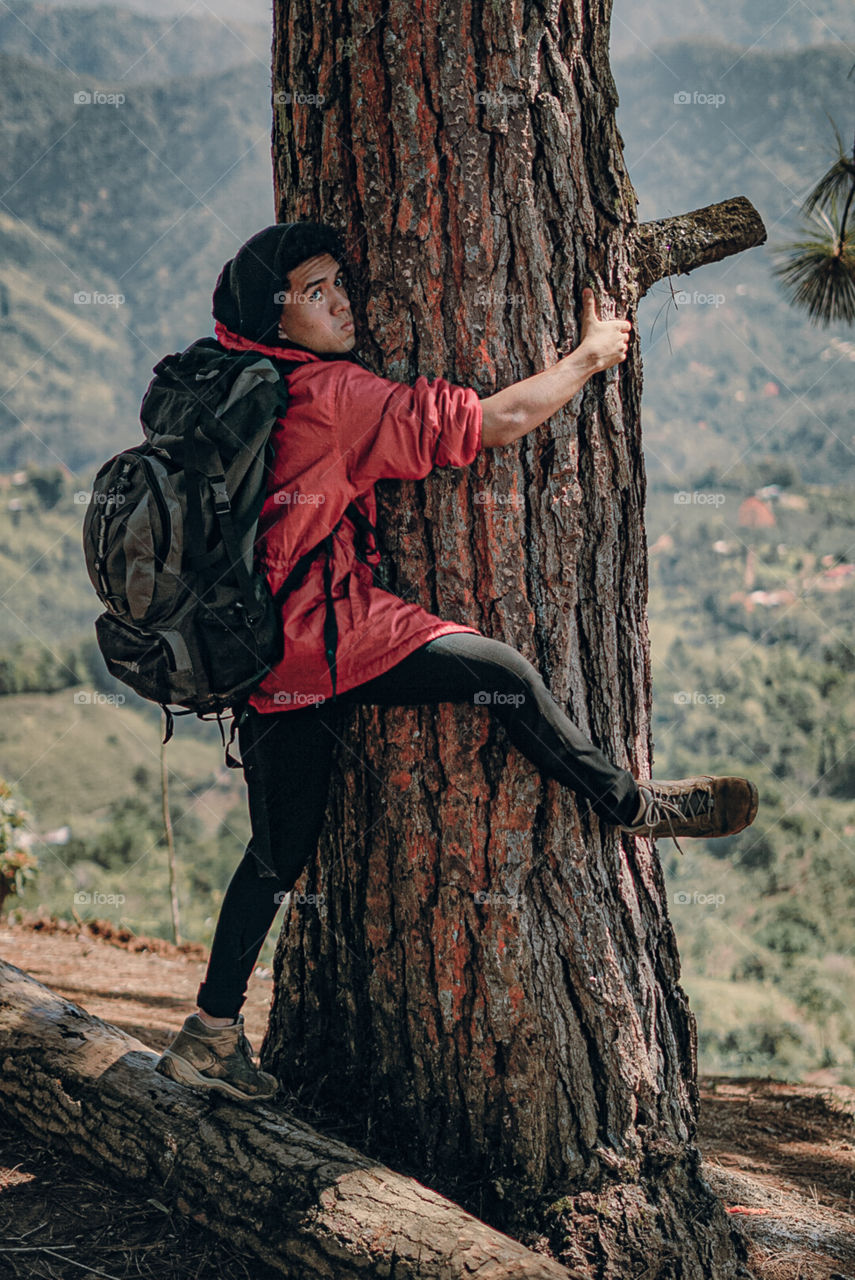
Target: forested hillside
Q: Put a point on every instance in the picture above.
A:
(140, 203)
(729, 366)
(112, 242)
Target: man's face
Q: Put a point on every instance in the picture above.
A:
(316, 312)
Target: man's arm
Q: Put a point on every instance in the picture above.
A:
(386, 430)
(520, 408)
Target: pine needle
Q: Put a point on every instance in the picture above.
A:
(819, 272)
(836, 183)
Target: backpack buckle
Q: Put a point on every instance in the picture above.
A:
(222, 502)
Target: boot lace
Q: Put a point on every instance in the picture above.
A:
(663, 808)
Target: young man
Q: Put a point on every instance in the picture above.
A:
(346, 639)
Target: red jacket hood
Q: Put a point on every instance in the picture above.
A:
(237, 342)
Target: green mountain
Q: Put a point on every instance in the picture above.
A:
(729, 367)
(108, 43)
(143, 201)
(113, 236)
(762, 24)
(68, 397)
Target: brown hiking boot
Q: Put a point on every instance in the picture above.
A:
(700, 807)
(216, 1058)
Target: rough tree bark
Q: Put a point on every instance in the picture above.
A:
(532, 1053)
(308, 1206)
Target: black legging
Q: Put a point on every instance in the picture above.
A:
(287, 760)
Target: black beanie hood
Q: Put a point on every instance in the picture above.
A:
(247, 297)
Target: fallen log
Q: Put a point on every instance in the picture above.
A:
(304, 1204)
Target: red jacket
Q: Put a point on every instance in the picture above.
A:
(345, 429)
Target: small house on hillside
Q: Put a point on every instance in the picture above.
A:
(754, 513)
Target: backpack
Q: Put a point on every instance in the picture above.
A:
(169, 536)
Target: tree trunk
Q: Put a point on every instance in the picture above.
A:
(306, 1205)
(535, 1049)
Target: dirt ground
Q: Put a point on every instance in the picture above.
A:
(780, 1156)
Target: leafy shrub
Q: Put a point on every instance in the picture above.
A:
(17, 864)
(790, 932)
